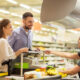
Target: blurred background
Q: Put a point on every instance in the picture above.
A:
(65, 31)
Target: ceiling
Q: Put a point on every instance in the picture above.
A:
(73, 19)
(15, 11)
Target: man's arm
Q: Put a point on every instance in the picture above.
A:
(12, 39)
(72, 71)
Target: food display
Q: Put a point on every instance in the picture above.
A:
(43, 73)
(30, 76)
(13, 78)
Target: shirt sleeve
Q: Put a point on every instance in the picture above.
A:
(12, 39)
(30, 38)
(6, 51)
(78, 61)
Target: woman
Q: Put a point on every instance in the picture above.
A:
(6, 51)
(76, 68)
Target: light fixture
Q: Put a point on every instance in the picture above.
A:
(12, 1)
(4, 11)
(45, 29)
(25, 6)
(57, 26)
(14, 14)
(1, 18)
(53, 30)
(36, 20)
(35, 10)
(37, 31)
(76, 32)
(16, 22)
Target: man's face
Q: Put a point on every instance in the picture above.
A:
(28, 22)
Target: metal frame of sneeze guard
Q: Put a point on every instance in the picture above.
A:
(30, 52)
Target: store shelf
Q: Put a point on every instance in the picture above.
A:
(43, 41)
(38, 45)
(51, 59)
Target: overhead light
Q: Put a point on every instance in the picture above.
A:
(48, 30)
(4, 11)
(45, 29)
(36, 31)
(14, 14)
(25, 6)
(12, 1)
(76, 32)
(1, 18)
(28, 7)
(36, 20)
(57, 26)
(53, 30)
(16, 22)
(35, 10)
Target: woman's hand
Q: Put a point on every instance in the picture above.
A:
(63, 71)
(23, 50)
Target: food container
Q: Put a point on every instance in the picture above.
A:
(14, 78)
(38, 76)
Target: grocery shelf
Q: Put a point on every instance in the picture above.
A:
(43, 41)
(38, 45)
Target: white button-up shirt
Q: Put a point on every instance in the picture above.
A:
(6, 53)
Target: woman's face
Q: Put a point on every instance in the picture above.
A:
(8, 30)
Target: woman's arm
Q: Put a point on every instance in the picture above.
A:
(17, 53)
(8, 52)
(64, 54)
(67, 55)
(72, 71)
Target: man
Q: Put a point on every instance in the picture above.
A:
(22, 36)
(75, 69)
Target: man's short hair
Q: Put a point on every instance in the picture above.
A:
(27, 14)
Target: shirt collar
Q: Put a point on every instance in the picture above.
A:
(22, 29)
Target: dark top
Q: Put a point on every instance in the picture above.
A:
(79, 56)
(79, 64)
